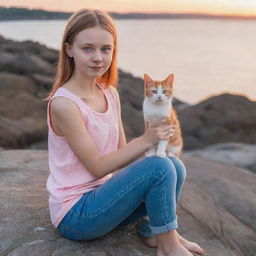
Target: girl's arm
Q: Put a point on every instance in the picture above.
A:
(68, 118)
(122, 138)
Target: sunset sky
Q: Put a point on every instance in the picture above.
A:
(230, 7)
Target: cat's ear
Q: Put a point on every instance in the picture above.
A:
(147, 80)
(169, 80)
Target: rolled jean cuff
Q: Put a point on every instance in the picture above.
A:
(144, 229)
(165, 228)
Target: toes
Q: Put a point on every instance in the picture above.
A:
(198, 249)
(201, 251)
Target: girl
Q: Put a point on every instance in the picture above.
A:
(87, 196)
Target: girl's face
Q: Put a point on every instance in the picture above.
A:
(92, 51)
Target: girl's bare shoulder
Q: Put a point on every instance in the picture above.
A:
(114, 92)
(62, 105)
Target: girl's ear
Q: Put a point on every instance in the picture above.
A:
(147, 80)
(169, 80)
(68, 50)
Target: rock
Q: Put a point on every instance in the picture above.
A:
(13, 89)
(219, 119)
(27, 58)
(28, 64)
(43, 82)
(22, 115)
(222, 198)
(27, 74)
(216, 210)
(238, 154)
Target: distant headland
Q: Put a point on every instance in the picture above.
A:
(14, 13)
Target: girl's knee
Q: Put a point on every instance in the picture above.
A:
(180, 168)
(162, 166)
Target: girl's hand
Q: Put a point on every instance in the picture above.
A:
(162, 131)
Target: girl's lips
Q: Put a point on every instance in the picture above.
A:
(96, 69)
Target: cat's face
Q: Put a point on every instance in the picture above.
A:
(158, 92)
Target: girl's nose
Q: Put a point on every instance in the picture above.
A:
(97, 56)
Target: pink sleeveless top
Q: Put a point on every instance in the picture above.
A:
(69, 179)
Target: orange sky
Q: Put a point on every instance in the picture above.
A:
(235, 7)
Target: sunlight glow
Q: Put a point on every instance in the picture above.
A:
(229, 7)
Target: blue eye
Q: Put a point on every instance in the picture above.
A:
(106, 49)
(154, 91)
(87, 48)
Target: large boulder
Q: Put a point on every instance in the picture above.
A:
(237, 154)
(27, 70)
(30, 59)
(222, 197)
(216, 209)
(22, 114)
(219, 119)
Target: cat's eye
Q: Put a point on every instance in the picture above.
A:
(164, 91)
(154, 91)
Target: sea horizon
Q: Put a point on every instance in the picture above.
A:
(207, 57)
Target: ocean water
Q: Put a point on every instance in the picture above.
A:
(207, 57)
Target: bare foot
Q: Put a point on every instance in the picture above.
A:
(191, 246)
(178, 250)
(150, 242)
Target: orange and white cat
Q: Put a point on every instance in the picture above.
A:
(156, 106)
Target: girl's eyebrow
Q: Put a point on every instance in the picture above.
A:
(105, 45)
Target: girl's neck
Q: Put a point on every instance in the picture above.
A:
(82, 86)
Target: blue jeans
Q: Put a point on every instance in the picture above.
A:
(147, 187)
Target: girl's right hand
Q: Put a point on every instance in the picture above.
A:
(163, 131)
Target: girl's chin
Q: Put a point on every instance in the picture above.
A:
(96, 73)
(93, 76)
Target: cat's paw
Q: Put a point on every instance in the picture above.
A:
(170, 154)
(150, 153)
(161, 154)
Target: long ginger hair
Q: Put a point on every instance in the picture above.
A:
(79, 21)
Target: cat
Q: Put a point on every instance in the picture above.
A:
(157, 105)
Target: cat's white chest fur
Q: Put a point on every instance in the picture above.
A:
(153, 113)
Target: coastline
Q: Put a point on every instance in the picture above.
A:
(28, 69)
(217, 204)
(16, 13)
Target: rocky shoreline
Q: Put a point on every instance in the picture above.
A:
(217, 204)
(27, 71)
(216, 209)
